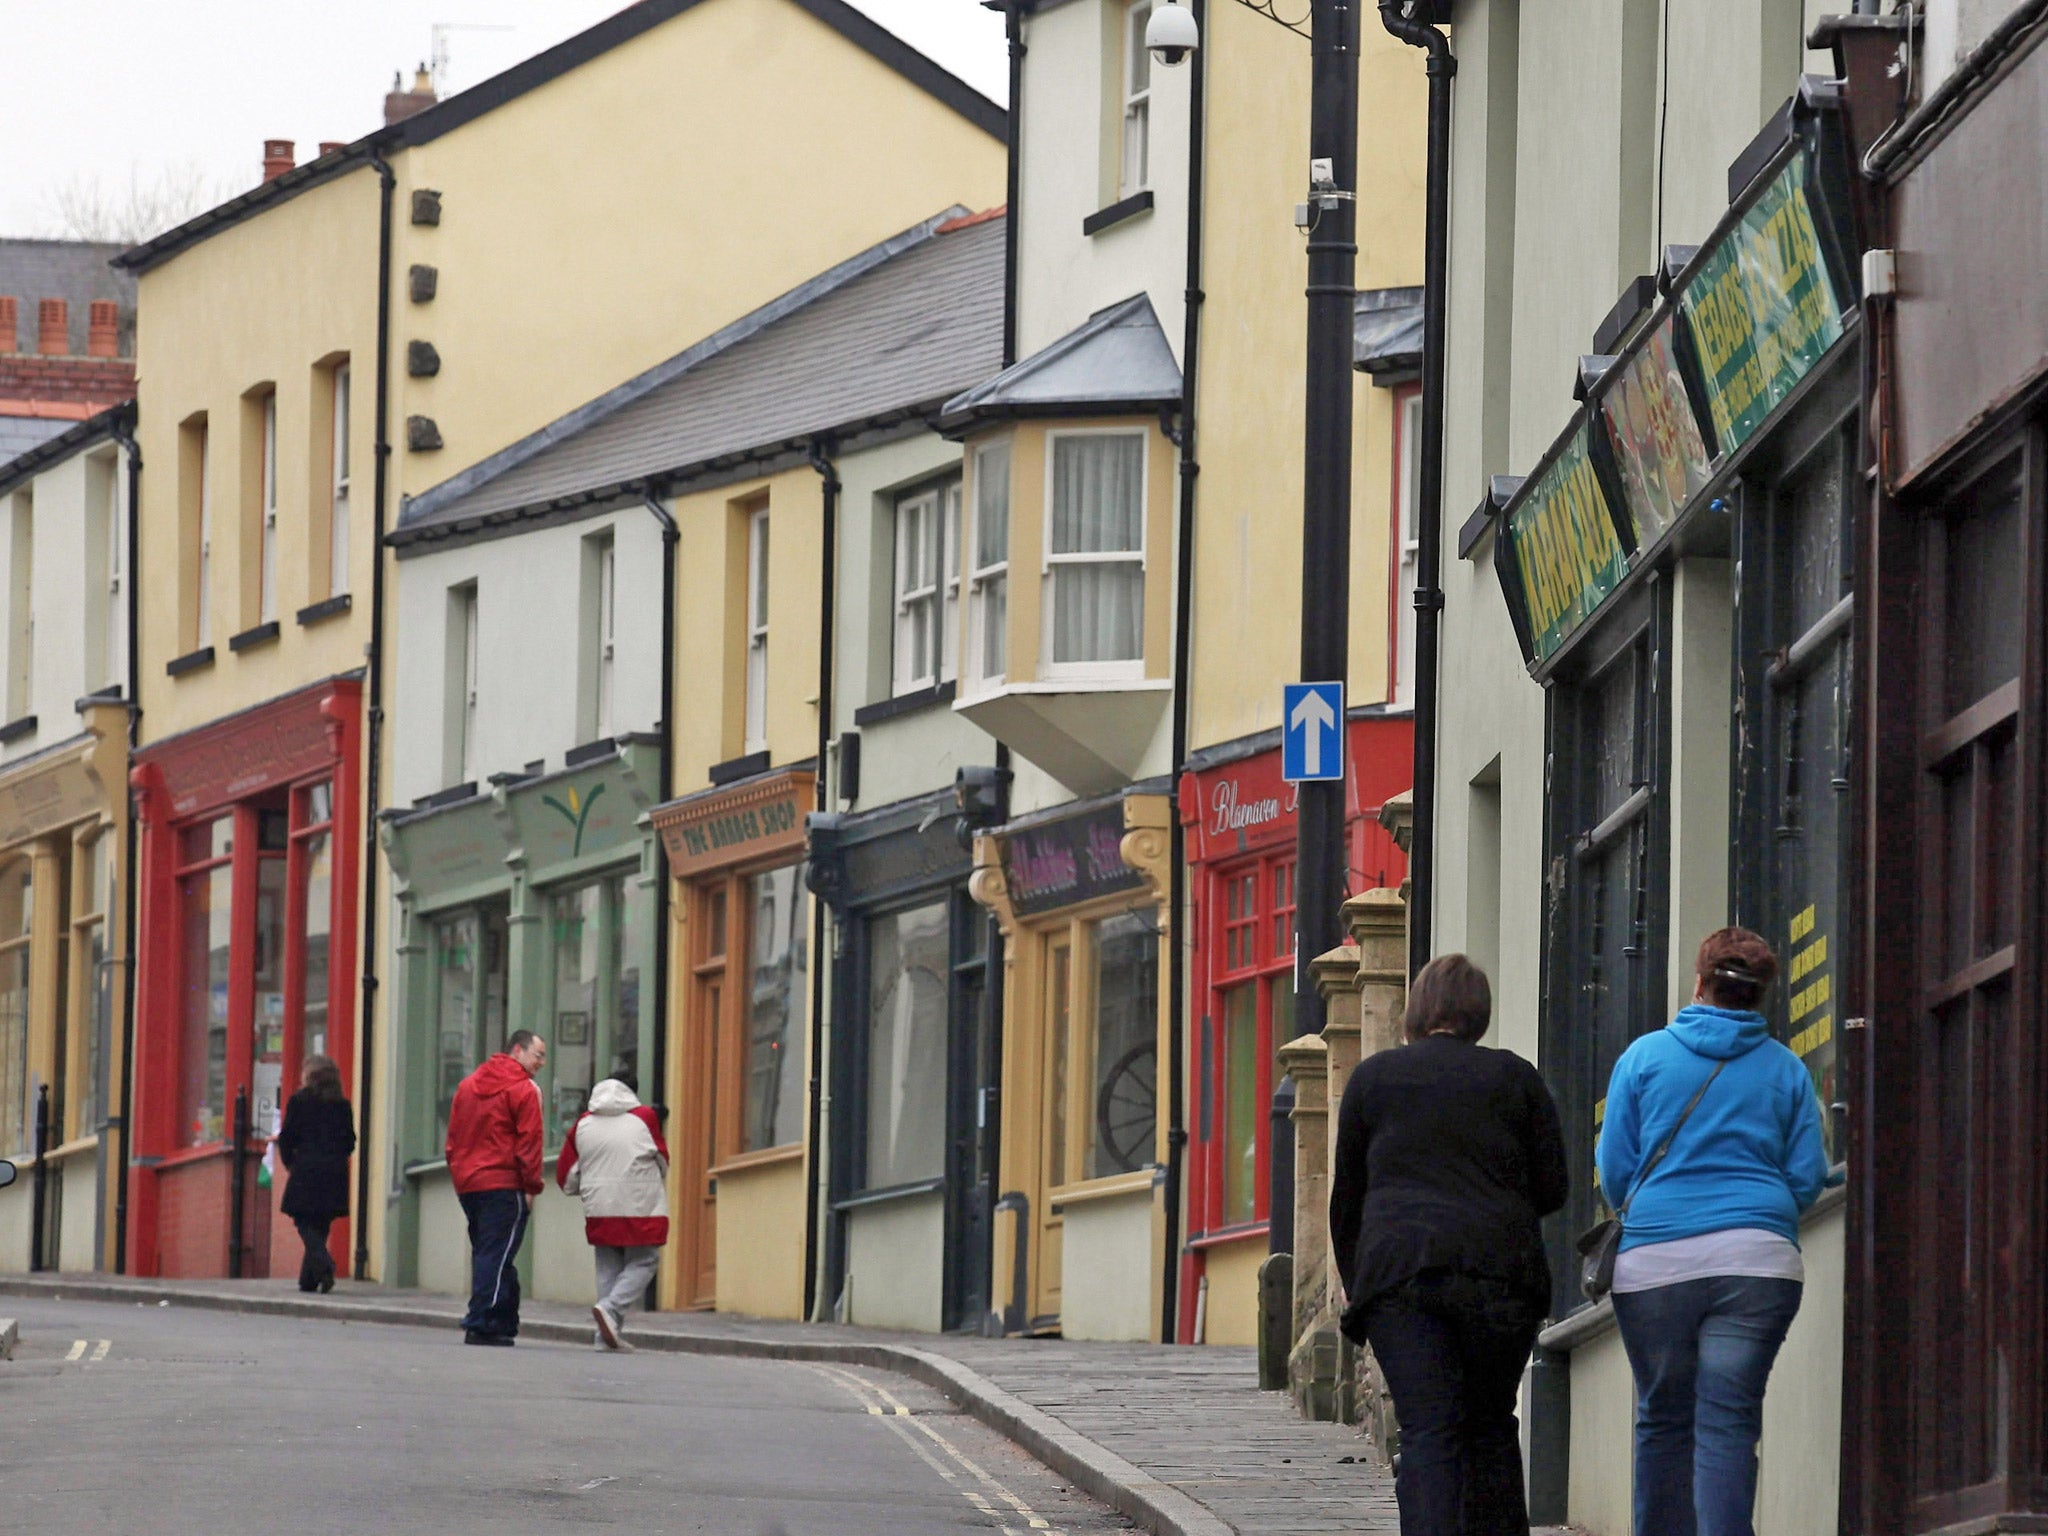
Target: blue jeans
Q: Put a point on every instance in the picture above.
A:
(1701, 1351)
(1452, 1348)
(497, 1225)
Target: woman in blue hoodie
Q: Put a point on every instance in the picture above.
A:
(1709, 1275)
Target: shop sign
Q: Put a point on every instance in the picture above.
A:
(274, 744)
(56, 795)
(1246, 805)
(1762, 308)
(1566, 551)
(449, 849)
(737, 826)
(1660, 455)
(1062, 863)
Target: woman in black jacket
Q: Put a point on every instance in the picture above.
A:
(1448, 1156)
(314, 1144)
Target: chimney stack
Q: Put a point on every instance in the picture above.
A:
(103, 329)
(53, 328)
(329, 146)
(401, 103)
(277, 158)
(10, 323)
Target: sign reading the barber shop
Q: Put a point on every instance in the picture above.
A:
(761, 819)
(1060, 863)
(1763, 309)
(1567, 553)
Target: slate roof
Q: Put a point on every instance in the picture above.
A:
(71, 437)
(18, 434)
(76, 271)
(879, 340)
(1387, 330)
(1118, 360)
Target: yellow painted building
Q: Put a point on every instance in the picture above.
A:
(553, 230)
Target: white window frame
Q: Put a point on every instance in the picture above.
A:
(21, 614)
(607, 618)
(465, 754)
(1134, 145)
(1092, 671)
(338, 508)
(927, 585)
(266, 600)
(756, 738)
(1407, 546)
(985, 580)
(205, 603)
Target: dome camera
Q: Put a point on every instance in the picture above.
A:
(1171, 34)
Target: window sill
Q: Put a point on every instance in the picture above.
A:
(340, 603)
(771, 1157)
(1223, 1237)
(17, 730)
(905, 703)
(733, 769)
(191, 661)
(249, 639)
(1117, 212)
(1116, 1187)
(893, 1193)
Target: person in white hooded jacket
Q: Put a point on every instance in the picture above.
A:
(614, 1158)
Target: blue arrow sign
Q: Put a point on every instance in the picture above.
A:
(1311, 732)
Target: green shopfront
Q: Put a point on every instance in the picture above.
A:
(530, 906)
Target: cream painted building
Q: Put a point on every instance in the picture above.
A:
(1611, 755)
(64, 573)
(560, 227)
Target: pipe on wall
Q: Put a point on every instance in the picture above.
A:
(1429, 596)
(828, 476)
(1183, 633)
(123, 430)
(665, 753)
(373, 733)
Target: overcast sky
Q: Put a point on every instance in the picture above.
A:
(151, 91)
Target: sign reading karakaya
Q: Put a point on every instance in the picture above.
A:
(1567, 555)
(1762, 309)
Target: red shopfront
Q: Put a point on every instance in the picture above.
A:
(250, 840)
(1239, 817)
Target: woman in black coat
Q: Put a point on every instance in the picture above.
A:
(318, 1135)
(1448, 1157)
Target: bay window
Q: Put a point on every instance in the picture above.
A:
(988, 580)
(1095, 554)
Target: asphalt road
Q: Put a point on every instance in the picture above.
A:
(171, 1420)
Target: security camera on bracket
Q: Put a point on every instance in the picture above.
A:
(1171, 34)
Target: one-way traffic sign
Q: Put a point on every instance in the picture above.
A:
(1311, 732)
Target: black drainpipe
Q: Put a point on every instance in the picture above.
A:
(1429, 594)
(124, 434)
(373, 735)
(1183, 632)
(828, 475)
(1013, 27)
(666, 730)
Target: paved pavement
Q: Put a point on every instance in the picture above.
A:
(1179, 1440)
(127, 1417)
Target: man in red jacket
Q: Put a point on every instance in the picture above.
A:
(494, 1145)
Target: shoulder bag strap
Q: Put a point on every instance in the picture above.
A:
(1658, 1156)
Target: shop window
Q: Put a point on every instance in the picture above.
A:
(757, 632)
(1608, 882)
(927, 586)
(1137, 100)
(93, 894)
(266, 1050)
(206, 900)
(1407, 538)
(906, 1046)
(1102, 1048)
(599, 637)
(21, 621)
(1251, 1011)
(17, 1083)
(1095, 555)
(575, 921)
(338, 493)
(777, 910)
(313, 836)
(988, 582)
(469, 951)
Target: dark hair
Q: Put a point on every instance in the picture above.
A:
(1450, 996)
(625, 1078)
(520, 1039)
(322, 1077)
(1736, 968)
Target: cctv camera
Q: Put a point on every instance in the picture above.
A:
(1171, 34)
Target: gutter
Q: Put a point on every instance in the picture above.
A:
(373, 733)
(1429, 596)
(1183, 632)
(123, 430)
(828, 475)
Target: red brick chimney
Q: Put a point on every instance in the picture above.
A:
(329, 146)
(103, 329)
(277, 158)
(53, 328)
(401, 104)
(10, 323)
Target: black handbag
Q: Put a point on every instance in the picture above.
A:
(1600, 1244)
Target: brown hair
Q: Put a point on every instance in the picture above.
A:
(322, 1077)
(1450, 996)
(1735, 968)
